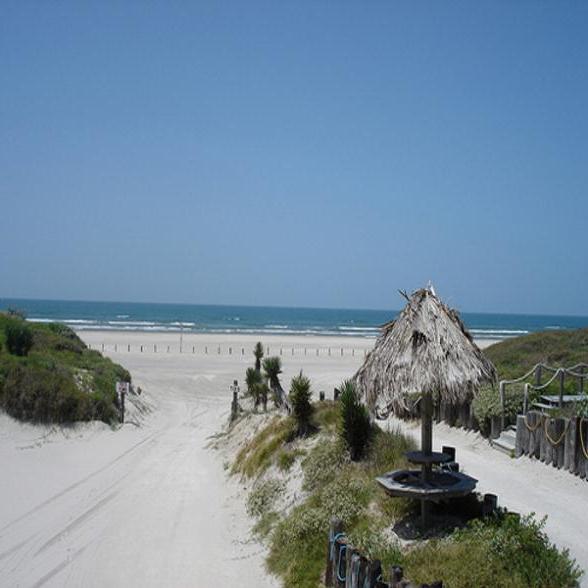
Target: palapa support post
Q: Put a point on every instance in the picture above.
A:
(427, 449)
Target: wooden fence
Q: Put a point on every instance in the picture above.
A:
(561, 442)
(333, 352)
(347, 568)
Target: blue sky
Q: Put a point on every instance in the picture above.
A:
(309, 153)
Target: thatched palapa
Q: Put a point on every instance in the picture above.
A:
(426, 350)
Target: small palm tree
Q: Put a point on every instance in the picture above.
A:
(300, 400)
(258, 352)
(272, 366)
(260, 392)
(356, 427)
(252, 377)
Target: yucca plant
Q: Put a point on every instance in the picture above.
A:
(252, 377)
(355, 425)
(272, 367)
(300, 401)
(260, 393)
(258, 353)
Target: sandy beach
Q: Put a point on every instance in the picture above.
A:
(150, 504)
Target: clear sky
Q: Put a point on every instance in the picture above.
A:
(307, 153)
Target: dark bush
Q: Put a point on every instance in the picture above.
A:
(19, 337)
(355, 421)
(300, 401)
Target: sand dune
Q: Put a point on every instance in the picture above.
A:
(150, 504)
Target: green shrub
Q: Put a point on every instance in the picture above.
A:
(253, 377)
(43, 396)
(263, 497)
(300, 401)
(355, 421)
(486, 405)
(286, 458)
(19, 337)
(322, 464)
(258, 353)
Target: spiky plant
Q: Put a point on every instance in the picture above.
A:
(258, 352)
(252, 377)
(300, 401)
(355, 421)
(260, 393)
(272, 367)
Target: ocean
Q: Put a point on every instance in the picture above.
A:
(131, 316)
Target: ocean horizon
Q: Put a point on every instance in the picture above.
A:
(268, 320)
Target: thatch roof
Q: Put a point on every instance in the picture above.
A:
(426, 349)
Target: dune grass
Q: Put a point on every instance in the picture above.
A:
(505, 551)
(59, 379)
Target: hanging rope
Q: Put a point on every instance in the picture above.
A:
(549, 438)
(534, 427)
(582, 439)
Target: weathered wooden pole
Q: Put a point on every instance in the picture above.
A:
(502, 416)
(538, 375)
(562, 375)
(526, 399)
(427, 449)
(581, 379)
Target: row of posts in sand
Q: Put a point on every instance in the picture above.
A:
(219, 350)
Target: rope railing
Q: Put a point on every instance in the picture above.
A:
(576, 371)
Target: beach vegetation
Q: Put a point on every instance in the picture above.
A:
(258, 353)
(272, 367)
(499, 551)
(59, 379)
(264, 496)
(355, 421)
(302, 409)
(253, 377)
(18, 336)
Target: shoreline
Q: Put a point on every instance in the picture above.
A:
(236, 340)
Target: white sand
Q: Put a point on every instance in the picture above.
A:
(151, 505)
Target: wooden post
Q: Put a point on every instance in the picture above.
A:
(427, 449)
(373, 573)
(581, 379)
(242, 350)
(322, 395)
(502, 417)
(122, 407)
(335, 529)
(571, 446)
(490, 504)
(193, 349)
(526, 399)
(103, 347)
(341, 351)
(230, 351)
(352, 567)
(538, 375)
(562, 376)
(396, 576)
(521, 440)
(154, 348)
